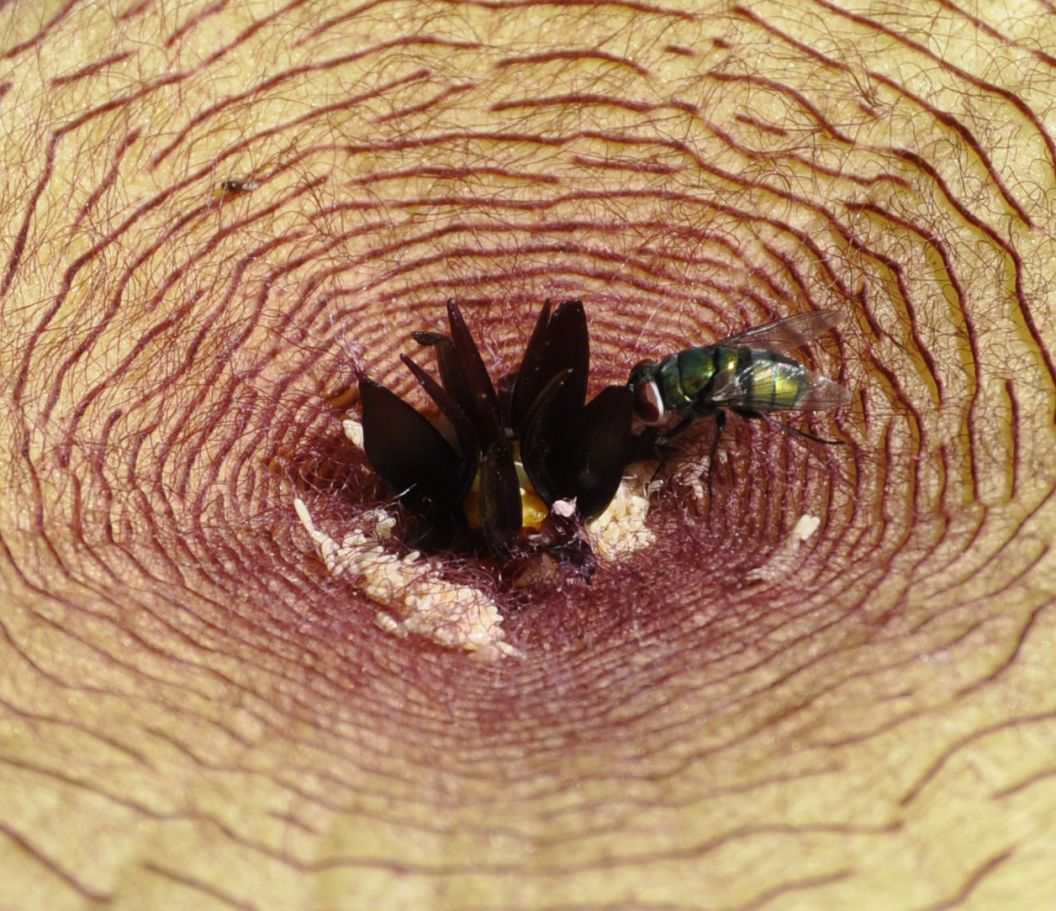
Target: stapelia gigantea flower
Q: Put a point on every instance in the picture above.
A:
(534, 439)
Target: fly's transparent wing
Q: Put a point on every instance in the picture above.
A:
(786, 334)
(823, 394)
(756, 389)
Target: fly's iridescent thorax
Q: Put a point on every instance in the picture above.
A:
(697, 370)
(685, 378)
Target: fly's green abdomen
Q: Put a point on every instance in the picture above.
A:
(771, 382)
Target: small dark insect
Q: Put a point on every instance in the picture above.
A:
(747, 373)
(511, 454)
(233, 187)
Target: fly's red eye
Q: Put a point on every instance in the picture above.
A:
(648, 406)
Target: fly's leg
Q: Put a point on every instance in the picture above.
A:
(650, 444)
(788, 428)
(663, 439)
(720, 423)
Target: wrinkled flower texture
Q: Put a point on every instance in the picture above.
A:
(532, 439)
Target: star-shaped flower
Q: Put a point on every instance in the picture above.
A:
(513, 453)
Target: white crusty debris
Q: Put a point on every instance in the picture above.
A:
(415, 596)
(621, 529)
(784, 562)
(804, 529)
(354, 431)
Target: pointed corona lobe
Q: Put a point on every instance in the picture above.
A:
(409, 454)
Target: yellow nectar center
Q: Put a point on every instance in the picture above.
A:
(533, 510)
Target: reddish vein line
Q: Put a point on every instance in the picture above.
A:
(974, 880)
(760, 125)
(1013, 405)
(624, 164)
(43, 33)
(109, 179)
(339, 20)
(551, 56)
(580, 99)
(438, 98)
(198, 885)
(1007, 95)
(248, 32)
(91, 69)
(456, 173)
(944, 118)
(136, 9)
(594, 4)
(194, 21)
(995, 34)
(790, 92)
(275, 81)
(51, 866)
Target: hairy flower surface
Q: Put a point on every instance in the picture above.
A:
(534, 441)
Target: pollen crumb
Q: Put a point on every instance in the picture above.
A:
(354, 431)
(693, 464)
(804, 529)
(415, 597)
(564, 508)
(783, 562)
(621, 529)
